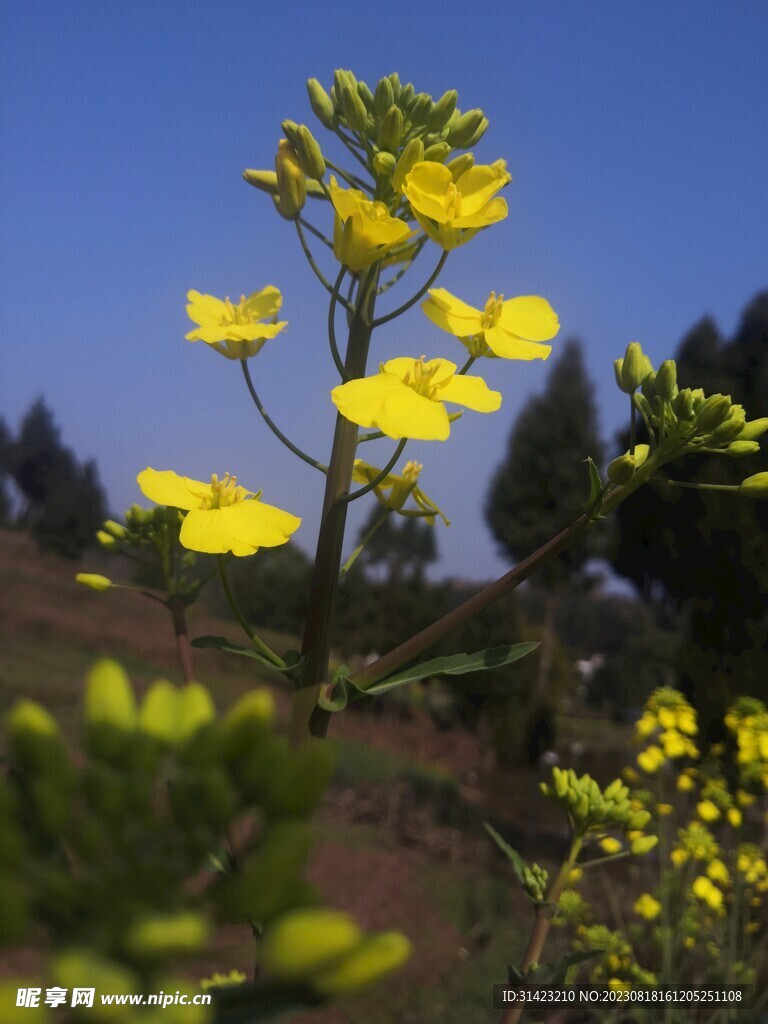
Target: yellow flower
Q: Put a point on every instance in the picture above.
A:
(574, 875)
(237, 331)
(511, 329)
(685, 784)
(733, 814)
(405, 398)
(221, 516)
(717, 871)
(363, 231)
(453, 212)
(402, 487)
(647, 907)
(665, 809)
(646, 725)
(707, 892)
(707, 810)
(651, 759)
(678, 857)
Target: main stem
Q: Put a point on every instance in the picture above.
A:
(307, 719)
(183, 647)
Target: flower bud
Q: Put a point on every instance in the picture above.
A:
(442, 110)
(309, 153)
(321, 103)
(730, 429)
(754, 486)
(371, 960)
(117, 530)
(391, 129)
(304, 942)
(290, 131)
(621, 470)
(394, 81)
(94, 581)
(635, 367)
(412, 154)
(420, 109)
(384, 97)
(437, 152)
(291, 183)
(107, 542)
(683, 404)
(164, 935)
(482, 128)
(638, 820)
(643, 844)
(648, 388)
(741, 449)
(366, 96)
(353, 108)
(617, 367)
(384, 164)
(406, 96)
(754, 429)
(666, 380)
(712, 413)
(464, 128)
(109, 699)
(460, 164)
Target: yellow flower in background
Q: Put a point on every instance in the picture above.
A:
(734, 816)
(221, 515)
(651, 759)
(363, 231)
(511, 329)
(648, 907)
(453, 212)
(610, 845)
(401, 487)
(685, 784)
(707, 810)
(405, 398)
(679, 857)
(704, 889)
(718, 872)
(237, 331)
(665, 809)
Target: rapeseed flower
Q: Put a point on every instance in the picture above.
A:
(236, 330)
(363, 231)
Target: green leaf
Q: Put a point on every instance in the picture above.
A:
(595, 487)
(518, 864)
(292, 659)
(554, 974)
(454, 665)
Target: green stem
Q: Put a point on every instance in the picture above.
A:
(465, 368)
(273, 427)
(183, 646)
(632, 424)
(311, 260)
(350, 179)
(257, 642)
(307, 719)
(415, 298)
(700, 487)
(418, 247)
(358, 550)
(338, 361)
(382, 475)
(314, 231)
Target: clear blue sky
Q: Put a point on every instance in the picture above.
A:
(635, 133)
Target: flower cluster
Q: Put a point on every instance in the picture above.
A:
(747, 721)
(668, 721)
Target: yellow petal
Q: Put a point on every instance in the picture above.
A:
(451, 314)
(479, 185)
(360, 400)
(471, 392)
(509, 346)
(529, 317)
(264, 526)
(203, 308)
(265, 303)
(491, 213)
(404, 413)
(168, 488)
(207, 530)
(425, 189)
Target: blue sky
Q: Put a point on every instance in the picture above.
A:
(635, 134)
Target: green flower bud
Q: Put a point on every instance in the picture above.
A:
(412, 154)
(617, 367)
(754, 486)
(480, 131)
(394, 81)
(442, 110)
(712, 413)
(643, 844)
(464, 128)
(167, 935)
(266, 181)
(666, 380)
(321, 103)
(740, 449)
(754, 429)
(384, 164)
(384, 97)
(353, 108)
(683, 404)
(405, 98)
(729, 430)
(391, 129)
(460, 164)
(560, 780)
(366, 96)
(291, 183)
(309, 153)
(639, 819)
(109, 698)
(621, 470)
(648, 388)
(94, 581)
(437, 152)
(117, 530)
(635, 368)
(420, 110)
(290, 131)
(377, 956)
(304, 942)
(106, 541)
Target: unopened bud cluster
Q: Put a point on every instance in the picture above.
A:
(535, 881)
(591, 809)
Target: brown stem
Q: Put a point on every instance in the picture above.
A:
(401, 655)
(541, 928)
(307, 719)
(183, 646)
